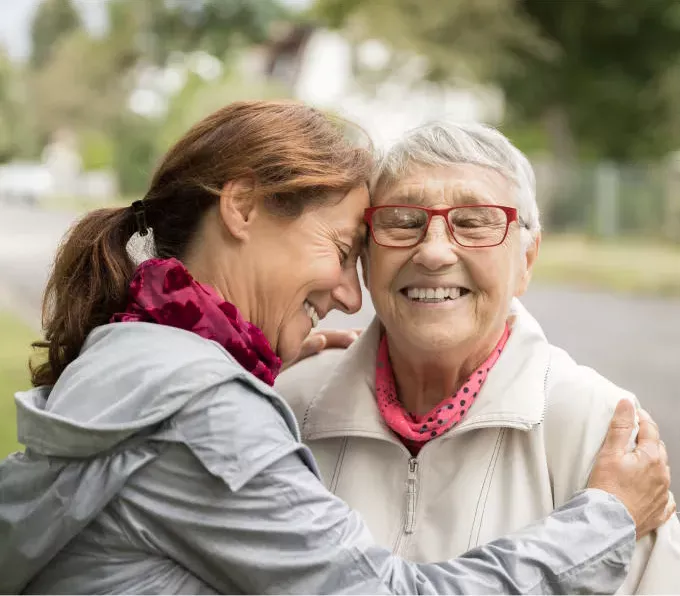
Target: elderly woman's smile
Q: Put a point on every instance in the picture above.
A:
(434, 295)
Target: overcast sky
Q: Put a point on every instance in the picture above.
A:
(16, 16)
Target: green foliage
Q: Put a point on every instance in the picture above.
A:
(15, 341)
(18, 137)
(611, 75)
(135, 154)
(213, 26)
(8, 108)
(601, 76)
(199, 98)
(54, 20)
(96, 150)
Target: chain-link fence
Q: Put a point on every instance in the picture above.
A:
(607, 200)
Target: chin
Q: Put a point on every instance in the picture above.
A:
(290, 343)
(439, 336)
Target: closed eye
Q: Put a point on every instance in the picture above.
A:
(344, 253)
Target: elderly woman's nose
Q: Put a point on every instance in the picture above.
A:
(437, 248)
(347, 294)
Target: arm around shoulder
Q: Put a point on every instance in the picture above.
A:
(580, 407)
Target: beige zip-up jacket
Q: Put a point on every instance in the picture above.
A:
(525, 447)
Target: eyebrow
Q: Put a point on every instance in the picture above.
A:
(463, 198)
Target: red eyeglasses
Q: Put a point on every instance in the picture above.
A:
(471, 226)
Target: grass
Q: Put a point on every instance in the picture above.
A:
(15, 340)
(630, 266)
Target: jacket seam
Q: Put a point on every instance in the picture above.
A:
(318, 433)
(484, 493)
(338, 465)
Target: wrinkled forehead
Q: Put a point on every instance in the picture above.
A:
(456, 184)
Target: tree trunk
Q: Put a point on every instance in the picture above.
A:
(560, 137)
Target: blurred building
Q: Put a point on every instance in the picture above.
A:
(324, 68)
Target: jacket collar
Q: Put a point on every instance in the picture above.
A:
(513, 394)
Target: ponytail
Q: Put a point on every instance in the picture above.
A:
(87, 286)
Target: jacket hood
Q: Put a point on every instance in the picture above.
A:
(128, 378)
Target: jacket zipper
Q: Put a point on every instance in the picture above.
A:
(411, 494)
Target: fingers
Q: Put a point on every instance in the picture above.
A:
(620, 427)
(313, 344)
(337, 338)
(671, 508)
(663, 452)
(649, 431)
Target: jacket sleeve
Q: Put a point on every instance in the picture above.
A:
(274, 528)
(584, 402)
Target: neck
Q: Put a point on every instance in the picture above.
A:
(424, 379)
(207, 267)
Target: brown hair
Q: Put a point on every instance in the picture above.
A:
(295, 154)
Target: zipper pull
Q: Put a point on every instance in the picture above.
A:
(411, 493)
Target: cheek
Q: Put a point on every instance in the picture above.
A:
(323, 273)
(383, 268)
(492, 273)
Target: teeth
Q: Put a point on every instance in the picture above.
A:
(311, 313)
(433, 294)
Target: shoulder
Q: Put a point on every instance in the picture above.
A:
(231, 421)
(579, 393)
(236, 429)
(580, 403)
(301, 383)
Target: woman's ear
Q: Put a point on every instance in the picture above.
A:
(529, 257)
(238, 207)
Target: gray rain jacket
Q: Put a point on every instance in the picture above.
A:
(157, 464)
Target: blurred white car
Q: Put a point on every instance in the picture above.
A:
(25, 183)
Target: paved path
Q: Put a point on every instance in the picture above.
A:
(633, 341)
(28, 240)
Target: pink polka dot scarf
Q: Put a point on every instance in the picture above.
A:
(413, 430)
(162, 291)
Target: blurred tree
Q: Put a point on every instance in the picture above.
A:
(463, 39)
(199, 98)
(214, 26)
(157, 28)
(8, 108)
(610, 85)
(17, 138)
(135, 152)
(54, 20)
(88, 96)
(84, 83)
(604, 72)
(96, 149)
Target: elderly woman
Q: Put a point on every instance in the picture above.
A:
(452, 420)
(158, 457)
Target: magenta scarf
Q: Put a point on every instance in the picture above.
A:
(162, 291)
(413, 430)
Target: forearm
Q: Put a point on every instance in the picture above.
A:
(284, 533)
(583, 547)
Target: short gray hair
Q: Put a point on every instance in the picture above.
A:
(444, 143)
